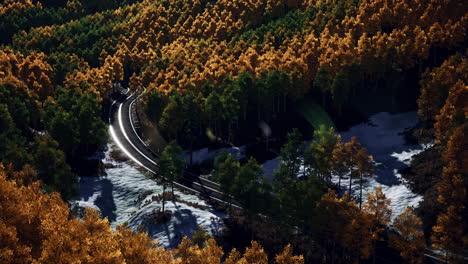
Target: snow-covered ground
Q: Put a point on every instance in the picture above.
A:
(124, 195)
(383, 137)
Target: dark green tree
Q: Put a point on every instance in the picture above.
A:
(248, 187)
(226, 176)
(286, 183)
(340, 89)
(92, 129)
(20, 107)
(323, 82)
(245, 83)
(192, 120)
(290, 158)
(52, 167)
(155, 105)
(172, 163)
(231, 107)
(63, 128)
(7, 128)
(319, 155)
(171, 121)
(214, 110)
(218, 160)
(74, 120)
(12, 145)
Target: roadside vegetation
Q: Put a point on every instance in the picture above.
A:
(213, 71)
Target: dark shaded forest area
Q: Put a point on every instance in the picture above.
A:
(224, 67)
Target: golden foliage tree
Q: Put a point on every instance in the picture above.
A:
(36, 227)
(410, 242)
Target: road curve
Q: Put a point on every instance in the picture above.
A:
(124, 134)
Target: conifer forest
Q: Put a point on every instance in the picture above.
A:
(233, 131)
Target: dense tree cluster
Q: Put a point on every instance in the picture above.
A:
(345, 229)
(44, 231)
(436, 83)
(212, 68)
(451, 129)
(331, 47)
(443, 105)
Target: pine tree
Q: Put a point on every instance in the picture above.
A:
(172, 164)
(248, 187)
(410, 241)
(377, 207)
(319, 155)
(290, 157)
(226, 177)
(365, 169)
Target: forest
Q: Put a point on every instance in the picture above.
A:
(208, 73)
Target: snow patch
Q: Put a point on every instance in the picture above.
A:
(123, 196)
(383, 137)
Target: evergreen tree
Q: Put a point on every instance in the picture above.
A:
(245, 83)
(248, 187)
(231, 106)
(323, 82)
(226, 177)
(172, 163)
(52, 168)
(214, 110)
(155, 105)
(171, 120)
(192, 116)
(340, 89)
(365, 169)
(290, 158)
(319, 155)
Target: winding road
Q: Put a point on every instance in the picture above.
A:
(124, 134)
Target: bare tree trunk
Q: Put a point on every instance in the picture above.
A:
(360, 191)
(163, 197)
(172, 186)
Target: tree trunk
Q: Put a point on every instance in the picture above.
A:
(163, 197)
(172, 187)
(360, 192)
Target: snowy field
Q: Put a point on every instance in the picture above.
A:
(125, 194)
(383, 137)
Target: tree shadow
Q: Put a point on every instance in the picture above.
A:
(102, 188)
(182, 223)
